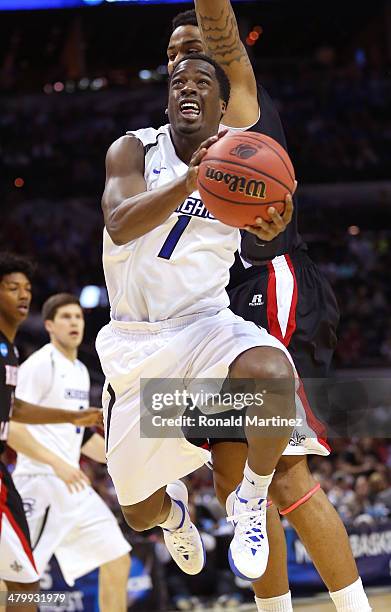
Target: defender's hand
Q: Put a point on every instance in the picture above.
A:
(268, 230)
(192, 173)
(89, 418)
(74, 478)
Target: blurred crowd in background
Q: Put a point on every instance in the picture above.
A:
(68, 92)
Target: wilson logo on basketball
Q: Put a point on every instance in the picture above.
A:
(244, 151)
(251, 187)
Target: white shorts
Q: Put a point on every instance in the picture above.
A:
(194, 347)
(78, 528)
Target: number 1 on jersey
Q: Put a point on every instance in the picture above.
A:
(173, 237)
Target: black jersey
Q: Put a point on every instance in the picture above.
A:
(8, 379)
(253, 250)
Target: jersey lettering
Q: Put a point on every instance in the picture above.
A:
(195, 208)
(76, 394)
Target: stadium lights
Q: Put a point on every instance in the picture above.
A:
(254, 35)
(145, 75)
(71, 86)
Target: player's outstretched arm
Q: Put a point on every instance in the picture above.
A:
(22, 441)
(130, 211)
(24, 412)
(220, 34)
(94, 448)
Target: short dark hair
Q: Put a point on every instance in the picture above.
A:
(184, 18)
(10, 263)
(225, 85)
(52, 304)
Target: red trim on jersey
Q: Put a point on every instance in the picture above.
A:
(272, 309)
(275, 330)
(291, 327)
(316, 425)
(4, 509)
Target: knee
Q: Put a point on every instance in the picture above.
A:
(277, 366)
(140, 517)
(262, 363)
(292, 480)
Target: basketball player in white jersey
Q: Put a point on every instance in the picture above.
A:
(166, 274)
(212, 29)
(66, 517)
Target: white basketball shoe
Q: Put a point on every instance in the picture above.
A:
(184, 543)
(249, 550)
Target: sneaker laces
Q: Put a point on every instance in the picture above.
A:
(182, 541)
(248, 526)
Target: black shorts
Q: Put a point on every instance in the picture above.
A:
(16, 556)
(292, 299)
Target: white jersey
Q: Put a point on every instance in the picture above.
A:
(49, 379)
(182, 266)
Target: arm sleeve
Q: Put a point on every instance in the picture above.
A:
(34, 378)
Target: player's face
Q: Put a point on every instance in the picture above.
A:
(67, 327)
(15, 297)
(194, 101)
(185, 39)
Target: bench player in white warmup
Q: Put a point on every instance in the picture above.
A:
(166, 274)
(66, 517)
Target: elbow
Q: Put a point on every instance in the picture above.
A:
(118, 234)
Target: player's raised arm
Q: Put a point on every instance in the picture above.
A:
(221, 39)
(130, 211)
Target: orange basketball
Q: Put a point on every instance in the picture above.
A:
(242, 175)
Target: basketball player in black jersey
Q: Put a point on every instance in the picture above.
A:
(17, 566)
(266, 251)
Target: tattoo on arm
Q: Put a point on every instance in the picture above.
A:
(221, 37)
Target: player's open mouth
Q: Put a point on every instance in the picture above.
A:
(190, 109)
(23, 308)
(74, 334)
